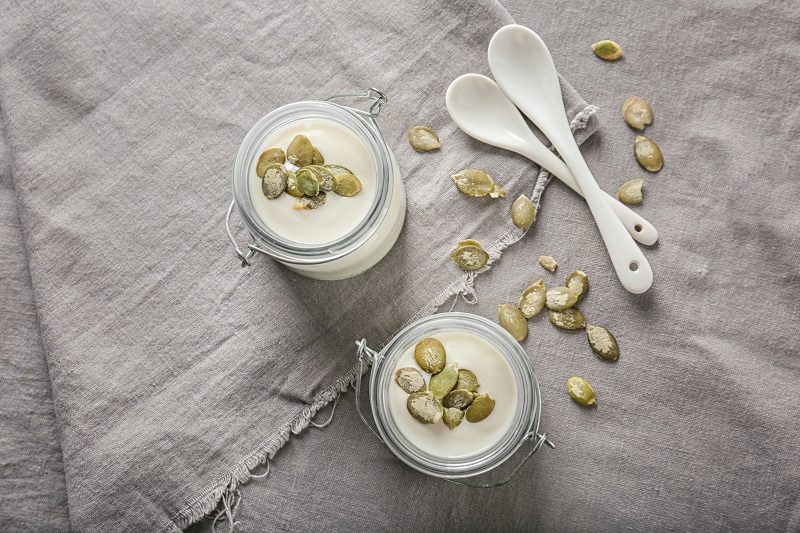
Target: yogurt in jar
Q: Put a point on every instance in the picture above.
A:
(496, 378)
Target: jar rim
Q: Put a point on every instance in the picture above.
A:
(367, 131)
(525, 422)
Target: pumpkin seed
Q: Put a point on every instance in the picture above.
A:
(409, 379)
(443, 382)
(637, 112)
(648, 154)
(468, 242)
(560, 298)
(476, 183)
(274, 182)
(338, 169)
(346, 185)
(310, 202)
(522, 212)
(458, 398)
(324, 177)
(481, 407)
(424, 407)
(603, 343)
(497, 192)
(316, 157)
(452, 417)
(423, 139)
(470, 257)
(512, 320)
(307, 182)
(269, 156)
(578, 282)
(532, 300)
(630, 192)
(300, 151)
(569, 319)
(607, 49)
(467, 380)
(548, 263)
(430, 355)
(291, 185)
(581, 391)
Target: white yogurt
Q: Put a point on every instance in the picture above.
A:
(496, 378)
(339, 216)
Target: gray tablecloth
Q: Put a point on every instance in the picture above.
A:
(696, 427)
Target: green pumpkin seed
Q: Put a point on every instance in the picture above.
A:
(476, 183)
(648, 154)
(467, 380)
(578, 282)
(481, 407)
(291, 185)
(307, 182)
(637, 112)
(310, 202)
(324, 177)
(274, 181)
(560, 298)
(603, 343)
(443, 382)
(316, 157)
(548, 263)
(272, 155)
(424, 407)
(533, 299)
(568, 319)
(608, 50)
(338, 169)
(468, 242)
(497, 192)
(630, 192)
(346, 185)
(522, 212)
(430, 355)
(458, 398)
(423, 139)
(300, 151)
(470, 257)
(512, 320)
(581, 391)
(409, 379)
(452, 417)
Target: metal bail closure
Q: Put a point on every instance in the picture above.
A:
(374, 96)
(244, 256)
(366, 356)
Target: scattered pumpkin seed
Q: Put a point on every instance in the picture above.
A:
(581, 391)
(648, 154)
(578, 282)
(300, 151)
(410, 380)
(338, 169)
(468, 242)
(316, 157)
(476, 183)
(291, 185)
(452, 417)
(630, 192)
(607, 49)
(532, 300)
(430, 355)
(458, 398)
(467, 380)
(548, 263)
(569, 319)
(310, 202)
(603, 343)
(637, 112)
(523, 212)
(324, 177)
(269, 156)
(560, 298)
(423, 139)
(274, 182)
(512, 320)
(469, 257)
(307, 182)
(424, 407)
(346, 185)
(481, 407)
(443, 382)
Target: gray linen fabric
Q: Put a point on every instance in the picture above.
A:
(174, 371)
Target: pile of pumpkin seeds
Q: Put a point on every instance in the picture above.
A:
(451, 394)
(302, 173)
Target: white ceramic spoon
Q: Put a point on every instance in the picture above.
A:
(524, 69)
(480, 108)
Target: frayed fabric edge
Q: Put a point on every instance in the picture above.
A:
(225, 490)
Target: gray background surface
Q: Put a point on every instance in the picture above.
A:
(696, 428)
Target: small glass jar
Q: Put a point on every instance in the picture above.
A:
(525, 421)
(375, 234)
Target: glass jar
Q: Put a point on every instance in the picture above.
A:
(525, 421)
(375, 234)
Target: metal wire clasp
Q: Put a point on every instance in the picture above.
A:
(376, 97)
